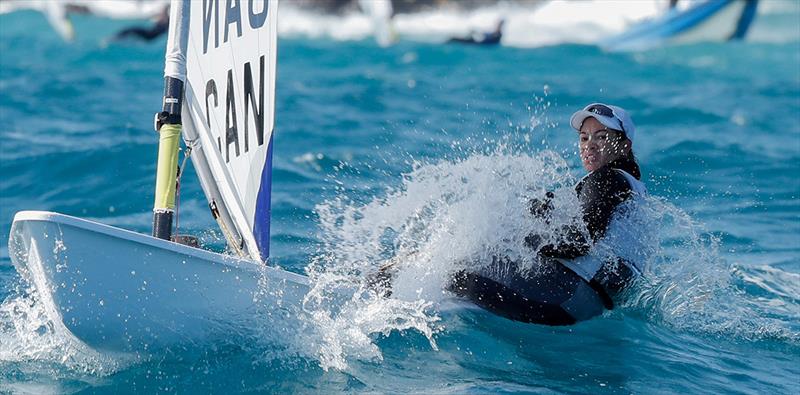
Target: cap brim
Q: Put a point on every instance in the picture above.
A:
(579, 117)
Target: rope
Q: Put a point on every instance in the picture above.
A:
(186, 154)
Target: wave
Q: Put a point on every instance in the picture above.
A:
(690, 287)
(449, 215)
(443, 217)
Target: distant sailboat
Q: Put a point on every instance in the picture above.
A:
(380, 13)
(710, 20)
(121, 291)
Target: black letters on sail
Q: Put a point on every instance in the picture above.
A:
(231, 132)
(253, 102)
(257, 19)
(211, 89)
(250, 103)
(208, 7)
(258, 112)
(233, 15)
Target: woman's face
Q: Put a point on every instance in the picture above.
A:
(600, 145)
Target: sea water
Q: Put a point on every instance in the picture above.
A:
(429, 152)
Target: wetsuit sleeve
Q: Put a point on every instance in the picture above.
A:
(572, 245)
(541, 207)
(599, 193)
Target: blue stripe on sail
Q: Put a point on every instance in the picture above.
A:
(263, 206)
(745, 20)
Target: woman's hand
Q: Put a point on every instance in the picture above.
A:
(541, 208)
(533, 241)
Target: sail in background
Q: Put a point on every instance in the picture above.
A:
(228, 113)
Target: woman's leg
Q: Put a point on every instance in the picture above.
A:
(551, 295)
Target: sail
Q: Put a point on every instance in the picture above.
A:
(380, 12)
(229, 50)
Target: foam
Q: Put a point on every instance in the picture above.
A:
(444, 216)
(688, 286)
(27, 336)
(450, 215)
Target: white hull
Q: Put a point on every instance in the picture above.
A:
(709, 21)
(117, 290)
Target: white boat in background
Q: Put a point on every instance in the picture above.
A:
(701, 21)
(121, 291)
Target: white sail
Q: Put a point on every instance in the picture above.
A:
(380, 12)
(228, 111)
(157, 293)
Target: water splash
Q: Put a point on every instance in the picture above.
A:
(690, 287)
(442, 218)
(29, 338)
(456, 214)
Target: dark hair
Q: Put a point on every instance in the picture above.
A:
(628, 164)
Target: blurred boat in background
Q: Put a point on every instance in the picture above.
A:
(612, 25)
(58, 12)
(711, 20)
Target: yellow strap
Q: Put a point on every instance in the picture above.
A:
(167, 170)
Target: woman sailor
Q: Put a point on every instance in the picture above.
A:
(574, 284)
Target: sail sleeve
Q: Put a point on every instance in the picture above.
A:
(228, 114)
(175, 57)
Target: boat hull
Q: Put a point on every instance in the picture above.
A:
(117, 290)
(712, 20)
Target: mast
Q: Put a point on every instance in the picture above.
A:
(168, 121)
(219, 95)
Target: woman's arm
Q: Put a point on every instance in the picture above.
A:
(599, 193)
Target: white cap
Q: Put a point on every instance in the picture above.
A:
(612, 117)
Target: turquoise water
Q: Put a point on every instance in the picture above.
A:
(365, 136)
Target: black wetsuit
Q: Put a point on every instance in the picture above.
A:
(492, 38)
(599, 193)
(146, 34)
(556, 295)
(160, 26)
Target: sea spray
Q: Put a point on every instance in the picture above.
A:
(29, 335)
(444, 217)
(29, 338)
(688, 286)
(454, 215)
